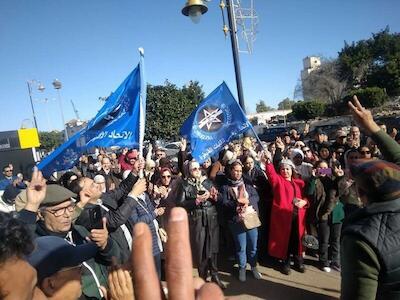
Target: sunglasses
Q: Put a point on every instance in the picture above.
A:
(166, 176)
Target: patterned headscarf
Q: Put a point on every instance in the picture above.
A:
(378, 179)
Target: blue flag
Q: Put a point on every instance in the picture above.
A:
(116, 124)
(214, 123)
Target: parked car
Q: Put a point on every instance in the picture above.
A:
(270, 134)
(172, 149)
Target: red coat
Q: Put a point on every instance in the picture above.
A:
(282, 211)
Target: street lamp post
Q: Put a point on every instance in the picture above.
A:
(57, 85)
(235, 53)
(41, 89)
(194, 9)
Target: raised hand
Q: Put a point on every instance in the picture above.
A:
(36, 191)
(180, 282)
(159, 211)
(139, 187)
(85, 196)
(183, 144)
(120, 283)
(100, 236)
(338, 171)
(362, 116)
(265, 156)
(279, 144)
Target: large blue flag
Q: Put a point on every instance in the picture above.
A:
(116, 124)
(214, 123)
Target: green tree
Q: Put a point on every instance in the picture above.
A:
(306, 110)
(50, 140)
(325, 83)
(373, 62)
(168, 107)
(286, 104)
(262, 107)
(369, 97)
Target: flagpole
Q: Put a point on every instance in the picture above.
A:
(142, 109)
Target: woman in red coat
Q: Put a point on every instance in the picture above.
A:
(287, 225)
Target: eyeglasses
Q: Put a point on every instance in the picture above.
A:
(166, 176)
(365, 152)
(60, 212)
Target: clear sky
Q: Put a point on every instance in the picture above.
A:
(91, 46)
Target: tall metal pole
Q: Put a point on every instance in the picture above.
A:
(235, 52)
(33, 109)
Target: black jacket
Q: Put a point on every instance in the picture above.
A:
(378, 225)
(119, 210)
(77, 235)
(203, 221)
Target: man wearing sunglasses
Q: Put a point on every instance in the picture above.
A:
(8, 178)
(48, 212)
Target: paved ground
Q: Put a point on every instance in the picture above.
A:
(312, 285)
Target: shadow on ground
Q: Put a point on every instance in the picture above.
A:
(268, 288)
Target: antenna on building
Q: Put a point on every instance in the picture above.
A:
(75, 111)
(246, 21)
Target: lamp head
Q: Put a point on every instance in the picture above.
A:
(57, 84)
(41, 87)
(194, 9)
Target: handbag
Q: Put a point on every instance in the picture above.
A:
(250, 218)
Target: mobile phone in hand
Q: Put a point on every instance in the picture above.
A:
(325, 171)
(96, 218)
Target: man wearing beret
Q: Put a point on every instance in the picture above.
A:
(53, 206)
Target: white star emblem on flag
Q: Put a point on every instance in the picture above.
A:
(210, 117)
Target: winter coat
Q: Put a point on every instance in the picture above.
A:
(143, 211)
(77, 235)
(323, 198)
(284, 192)
(229, 203)
(203, 221)
(370, 252)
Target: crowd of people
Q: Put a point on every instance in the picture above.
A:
(81, 235)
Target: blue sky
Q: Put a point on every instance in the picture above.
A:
(91, 46)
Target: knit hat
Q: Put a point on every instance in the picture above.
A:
(378, 179)
(287, 162)
(296, 152)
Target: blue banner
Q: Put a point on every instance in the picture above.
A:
(214, 123)
(116, 124)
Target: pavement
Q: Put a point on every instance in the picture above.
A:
(312, 285)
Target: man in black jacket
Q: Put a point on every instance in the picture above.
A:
(116, 207)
